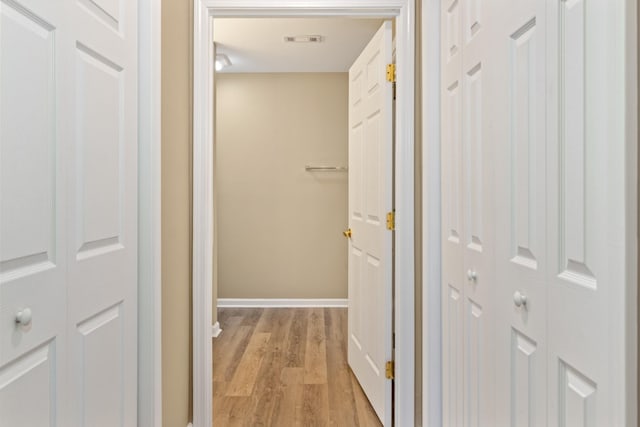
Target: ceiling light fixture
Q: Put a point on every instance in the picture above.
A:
(222, 61)
(303, 39)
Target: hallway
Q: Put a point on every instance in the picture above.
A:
(285, 366)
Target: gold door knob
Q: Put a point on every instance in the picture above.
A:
(347, 233)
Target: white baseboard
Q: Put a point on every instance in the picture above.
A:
(286, 302)
(215, 330)
(190, 425)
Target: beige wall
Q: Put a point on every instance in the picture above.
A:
(176, 212)
(280, 227)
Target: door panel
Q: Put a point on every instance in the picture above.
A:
(524, 408)
(99, 132)
(32, 205)
(370, 198)
(103, 372)
(521, 265)
(28, 389)
(473, 170)
(102, 173)
(586, 214)
(479, 81)
(453, 305)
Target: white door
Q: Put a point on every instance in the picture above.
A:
(370, 199)
(68, 206)
(521, 252)
(533, 92)
(469, 67)
(588, 201)
(33, 227)
(453, 274)
(479, 72)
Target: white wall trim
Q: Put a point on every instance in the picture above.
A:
(431, 218)
(282, 302)
(149, 216)
(203, 134)
(203, 240)
(216, 330)
(631, 226)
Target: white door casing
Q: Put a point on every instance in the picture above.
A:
(203, 141)
(370, 199)
(70, 193)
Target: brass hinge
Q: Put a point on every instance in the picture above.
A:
(391, 221)
(390, 370)
(391, 73)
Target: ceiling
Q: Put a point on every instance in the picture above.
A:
(256, 45)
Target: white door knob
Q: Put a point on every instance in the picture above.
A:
(519, 299)
(23, 317)
(471, 275)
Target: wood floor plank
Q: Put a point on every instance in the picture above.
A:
(226, 313)
(341, 397)
(225, 345)
(246, 373)
(288, 409)
(228, 351)
(366, 415)
(252, 316)
(268, 386)
(315, 361)
(315, 405)
(296, 344)
(280, 397)
(232, 412)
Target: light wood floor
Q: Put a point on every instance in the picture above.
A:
(286, 367)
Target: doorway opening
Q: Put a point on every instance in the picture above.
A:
(204, 177)
(284, 114)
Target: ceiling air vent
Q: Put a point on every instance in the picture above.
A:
(303, 39)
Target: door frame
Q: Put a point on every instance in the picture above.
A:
(431, 216)
(203, 175)
(149, 215)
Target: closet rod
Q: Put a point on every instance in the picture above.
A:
(325, 168)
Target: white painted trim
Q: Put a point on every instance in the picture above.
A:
(404, 10)
(149, 216)
(216, 330)
(431, 217)
(631, 226)
(404, 293)
(283, 302)
(203, 224)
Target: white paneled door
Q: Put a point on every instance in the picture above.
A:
(370, 199)
(468, 221)
(520, 207)
(68, 212)
(535, 228)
